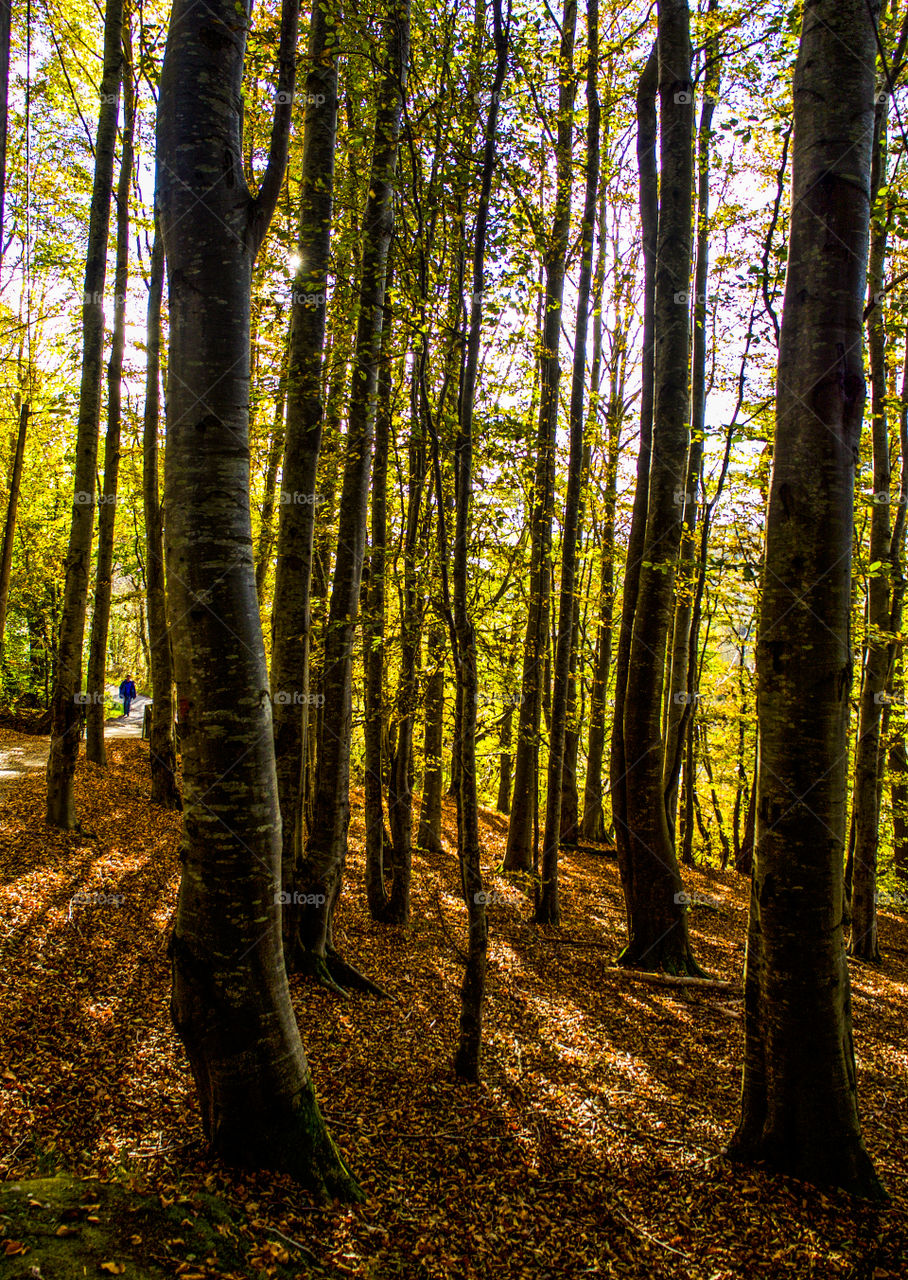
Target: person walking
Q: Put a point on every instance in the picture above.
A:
(127, 694)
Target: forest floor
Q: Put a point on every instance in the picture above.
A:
(592, 1147)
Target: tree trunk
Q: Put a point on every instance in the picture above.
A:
(6, 22)
(657, 916)
(799, 1103)
(864, 943)
(682, 698)
(67, 697)
(378, 841)
(519, 853)
(649, 218)
(162, 747)
(107, 516)
(290, 614)
(547, 906)
(230, 1002)
(429, 836)
(469, 1045)
(321, 871)
(12, 511)
(275, 457)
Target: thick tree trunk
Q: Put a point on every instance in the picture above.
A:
(649, 219)
(162, 747)
(864, 942)
(68, 698)
(657, 916)
(519, 853)
(107, 516)
(429, 836)
(230, 1002)
(321, 871)
(799, 1104)
(290, 692)
(547, 906)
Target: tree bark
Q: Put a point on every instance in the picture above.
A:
(107, 516)
(649, 220)
(275, 457)
(467, 1058)
(548, 910)
(519, 853)
(230, 1001)
(799, 1103)
(162, 747)
(12, 511)
(429, 836)
(657, 916)
(682, 698)
(321, 870)
(290, 616)
(67, 698)
(864, 942)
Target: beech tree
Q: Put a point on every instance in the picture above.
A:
(230, 1001)
(799, 1105)
(68, 698)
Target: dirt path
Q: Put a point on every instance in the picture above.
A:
(22, 754)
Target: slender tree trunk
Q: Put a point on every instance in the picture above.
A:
(649, 219)
(570, 800)
(107, 517)
(898, 789)
(864, 942)
(290, 691)
(429, 836)
(547, 906)
(275, 457)
(321, 870)
(799, 1103)
(230, 1002)
(67, 698)
(378, 841)
(657, 916)
(519, 854)
(12, 511)
(6, 22)
(469, 1045)
(593, 825)
(400, 791)
(681, 708)
(162, 747)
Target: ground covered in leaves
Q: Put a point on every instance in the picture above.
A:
(592, 1147)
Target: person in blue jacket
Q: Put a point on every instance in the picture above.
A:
(127, 694)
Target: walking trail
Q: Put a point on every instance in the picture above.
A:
(22, 754)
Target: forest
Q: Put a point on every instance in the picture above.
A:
(453, 713)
